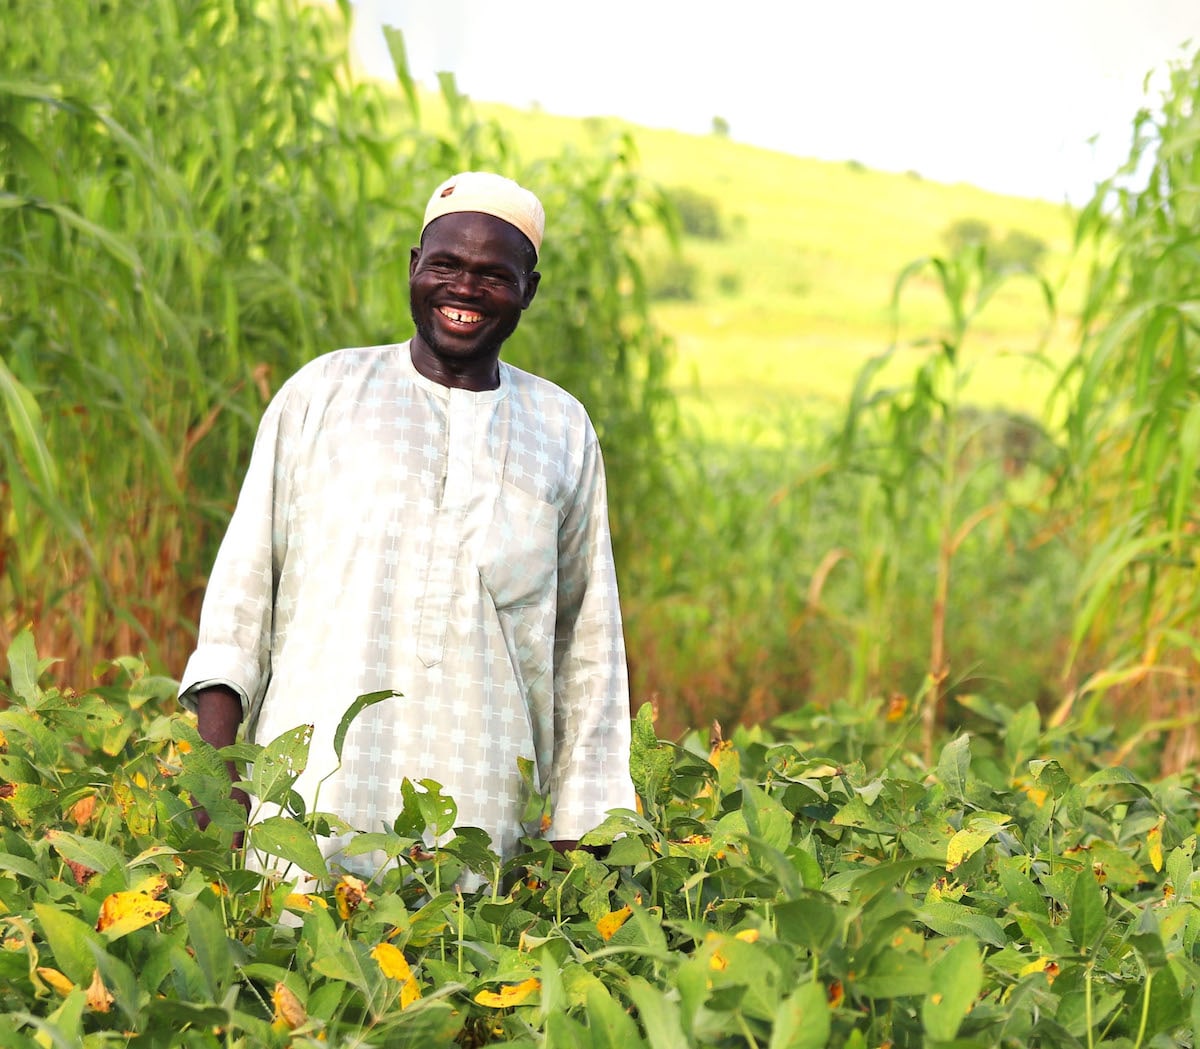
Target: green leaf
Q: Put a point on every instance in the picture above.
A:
(810, 921)
(956, 919)
(280, 764)
(659, 1015)
(357, 707)
(25, 420)
(535, 806)
(954, 765)
(1088, 919)
(97, 855)
(766, 819)
(1116, 776)
(1021, 734)
(20, 865)
(45, 747)
(650, 762)
(895, 974)
(122, 983)
(23, 667)
(341, 961)
(290, 841)
(395, 44)
(474, 847)
(956, 979)
(29, 802)
(858, 814)
(71, 941)
(802, 1020)
(610, 1025)
(1019, 888)
(209, 945)
(437, 809)
(1051, 776)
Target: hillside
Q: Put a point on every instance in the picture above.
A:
(796, 294)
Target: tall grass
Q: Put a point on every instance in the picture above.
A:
(1132, 405)
(197, 198)
(925, 552)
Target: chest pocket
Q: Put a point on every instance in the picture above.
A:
(519, 561)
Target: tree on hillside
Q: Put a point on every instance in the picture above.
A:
(1016, 250)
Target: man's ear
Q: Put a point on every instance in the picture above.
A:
(414, 256)
(531, 287)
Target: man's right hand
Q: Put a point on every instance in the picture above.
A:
(218, 715)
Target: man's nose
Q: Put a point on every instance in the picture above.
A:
(464, 282)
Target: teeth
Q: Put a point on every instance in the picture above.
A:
(461, 316)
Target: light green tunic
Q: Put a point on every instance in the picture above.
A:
(393, 533)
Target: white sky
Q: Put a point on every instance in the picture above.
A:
(1004, 94)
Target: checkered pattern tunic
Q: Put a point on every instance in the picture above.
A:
(452, 545)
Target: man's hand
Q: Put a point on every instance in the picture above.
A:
(218, 715)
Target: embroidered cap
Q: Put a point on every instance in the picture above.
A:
(492, 195)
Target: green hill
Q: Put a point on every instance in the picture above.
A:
(796, 293)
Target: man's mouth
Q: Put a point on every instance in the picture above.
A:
(460, 316)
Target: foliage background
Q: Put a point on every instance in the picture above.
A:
(197, 197)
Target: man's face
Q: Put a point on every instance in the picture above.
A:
(468, 282)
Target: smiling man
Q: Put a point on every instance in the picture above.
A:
(424, 518)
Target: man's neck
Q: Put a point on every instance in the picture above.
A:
(478, 374)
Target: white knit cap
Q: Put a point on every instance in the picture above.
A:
(492, 195)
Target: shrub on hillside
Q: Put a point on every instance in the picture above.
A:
(699, 214)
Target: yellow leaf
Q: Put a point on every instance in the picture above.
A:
(748, 936)
(56, 980)
(349, 893)
(963, 846)
(718, 962)
(153, 886)
(98, 998)
(1037, 795)
(304, 901)
(509, 994)
(124, 912)
(611, 922)
(394, 966)
(83, 810)
(1041, 965)
(289, 1012)
(1154, 839)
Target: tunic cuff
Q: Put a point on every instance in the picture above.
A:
(219, 665)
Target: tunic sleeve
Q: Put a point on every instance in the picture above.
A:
(234, 642)
(591, 689)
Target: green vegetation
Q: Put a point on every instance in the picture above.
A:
(196, 199)
(806, 884)
(937, 514)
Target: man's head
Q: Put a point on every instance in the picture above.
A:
(473, 273)
(489, 194)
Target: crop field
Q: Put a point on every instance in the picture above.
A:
(805, 885)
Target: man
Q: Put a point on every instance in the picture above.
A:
(426, 518)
